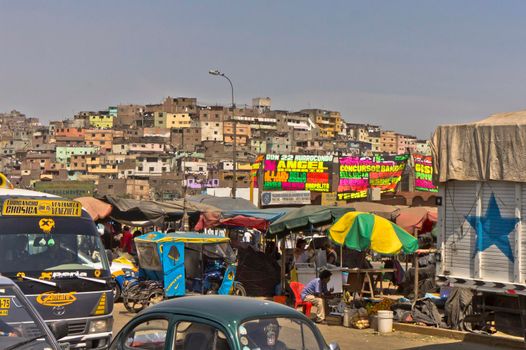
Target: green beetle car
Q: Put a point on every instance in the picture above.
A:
(216, 322)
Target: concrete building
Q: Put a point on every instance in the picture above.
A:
(69, 132)
(211, 131)
(103, 139)
(146, 145)
(138, 189)
(262, 104)
(329, 122)
(243, 133)
(405, 144)
(423, 147)
(172, 120)
(279, 143)
(101, 121)
(374, 139)
(63, 154)
(179, 105)
(128, 115)
(388, 141)
(185, 139)
(111, 187)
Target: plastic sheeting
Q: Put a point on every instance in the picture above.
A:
(96, 208)
(491, 149)
(223, 203)
(390, 212)
(419, 219)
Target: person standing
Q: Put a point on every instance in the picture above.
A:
(126, 240)
(300, 254)
(314, 292)
(332, 256)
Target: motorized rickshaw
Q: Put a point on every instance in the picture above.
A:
(181, 263)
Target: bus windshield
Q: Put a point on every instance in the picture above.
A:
(37, 251)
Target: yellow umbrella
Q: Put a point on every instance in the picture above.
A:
(361, 231)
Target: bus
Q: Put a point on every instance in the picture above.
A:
(53, 251)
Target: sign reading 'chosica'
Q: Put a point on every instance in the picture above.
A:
(297, 172)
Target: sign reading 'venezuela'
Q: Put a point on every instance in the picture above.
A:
(41, 207)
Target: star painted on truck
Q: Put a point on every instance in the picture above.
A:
(493, 229)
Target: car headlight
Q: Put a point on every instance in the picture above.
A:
(98, 326)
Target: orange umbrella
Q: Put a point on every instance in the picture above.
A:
(417, 218)
(96, 208)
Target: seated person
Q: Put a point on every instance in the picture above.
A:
(264, 335)
(7, 330)
(314, 292)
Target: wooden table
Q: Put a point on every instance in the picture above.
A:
(363, 281)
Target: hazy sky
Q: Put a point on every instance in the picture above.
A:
(406, 65)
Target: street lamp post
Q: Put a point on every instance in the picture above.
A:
(234, 125)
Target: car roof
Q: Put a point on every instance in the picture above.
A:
(224, 309)
(17, 192)
(6, 281)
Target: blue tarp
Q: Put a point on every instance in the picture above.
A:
(269, 215)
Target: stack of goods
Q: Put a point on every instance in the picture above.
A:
(359, 318)
(385, 304)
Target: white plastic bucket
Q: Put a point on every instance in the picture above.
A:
(385, 321)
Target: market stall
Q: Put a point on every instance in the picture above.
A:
(363, 231)
(306, 219)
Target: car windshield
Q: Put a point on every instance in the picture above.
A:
(38, 251)
(18, 326)
(281, 333)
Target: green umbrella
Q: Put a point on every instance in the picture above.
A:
(361, 231)
(302, 218)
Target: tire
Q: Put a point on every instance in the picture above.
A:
(117, 292)
(239, 290)
(155, 297)
(130, 298)
(133, 306)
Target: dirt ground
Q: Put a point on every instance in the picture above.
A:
(357, 339)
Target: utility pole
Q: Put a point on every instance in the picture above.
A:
(185, 186)
(234, 123)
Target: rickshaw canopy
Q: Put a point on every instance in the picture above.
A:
(185, 237)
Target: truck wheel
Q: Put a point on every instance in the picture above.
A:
(239, 290)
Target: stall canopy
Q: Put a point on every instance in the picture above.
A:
(223, 203)
(390, 212)
(417, 219)
(490, 149)
(259, 219)
(96, 208)
(303, 218)
(361, 231)
(142, 213)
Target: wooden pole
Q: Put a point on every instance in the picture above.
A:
(415, 262)
(283, 269)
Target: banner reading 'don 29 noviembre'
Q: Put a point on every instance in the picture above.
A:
(358, 174)
(297, 172)
(424, 173)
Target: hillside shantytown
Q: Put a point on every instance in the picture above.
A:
(151, 151)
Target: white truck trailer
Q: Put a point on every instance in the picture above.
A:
(481, 169)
